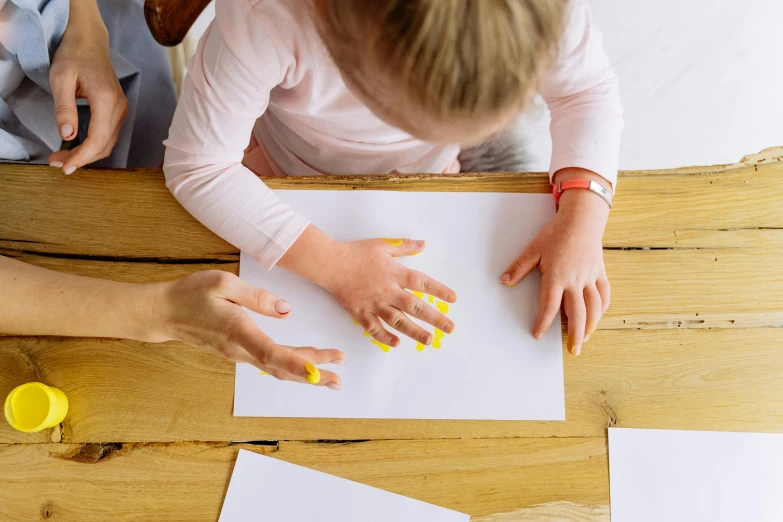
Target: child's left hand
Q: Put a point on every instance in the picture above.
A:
(569, 253)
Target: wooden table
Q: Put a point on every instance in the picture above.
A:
(692, 341)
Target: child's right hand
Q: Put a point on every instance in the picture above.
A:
(366, 280)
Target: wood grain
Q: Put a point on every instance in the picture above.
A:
(721, 379)
(692, 341)
(187, 482)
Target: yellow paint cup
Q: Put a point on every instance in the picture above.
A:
(34, 407)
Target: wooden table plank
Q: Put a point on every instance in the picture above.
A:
(722, 379)
(187, 482)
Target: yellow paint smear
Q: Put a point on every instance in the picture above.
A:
(420, 347)
(439, 334)
(430, 299)
(436, 344)
(380, 345)
(366, 333)
(395, 242)
(356, 322)
(443, 307)
(264, 373)
(418, 294)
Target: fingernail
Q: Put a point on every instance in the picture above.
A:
(505, 279)
(426, 340)
(281, 307)
(313, 373)
(587, 338)
(538, 336)
(341, 362)
(452, 297)
(333, 386)
(66, 130)
(590, 329)
(56, 164)
(577, 349)
(448, 327)
(69, 171)
(420, 244)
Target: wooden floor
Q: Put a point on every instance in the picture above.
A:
(692, 341)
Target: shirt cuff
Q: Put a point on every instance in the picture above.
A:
(270, 254)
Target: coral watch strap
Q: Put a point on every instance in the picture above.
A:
(584, 184)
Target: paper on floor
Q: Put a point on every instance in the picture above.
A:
(263, 488)
(695, 476)
(490, 368)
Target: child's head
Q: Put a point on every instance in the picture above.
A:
(443, 70)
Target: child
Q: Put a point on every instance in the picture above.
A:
(361, 86)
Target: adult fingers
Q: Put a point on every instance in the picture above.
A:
(548, 305)
(64, 93)
(419, 282)
(256, 299)
(416, 307)
(594, 309)
(99, 133)
(577, 315)
(400, 247)
(521, 266)
(605, 290)
(395, 318)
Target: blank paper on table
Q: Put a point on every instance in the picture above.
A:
(263, 488)
(490, 368)
(695, 476)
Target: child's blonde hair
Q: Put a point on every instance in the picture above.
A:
(455, 59)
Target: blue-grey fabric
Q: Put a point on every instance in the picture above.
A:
(142, 67)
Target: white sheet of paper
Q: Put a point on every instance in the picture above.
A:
(695, 476)
(271, 490)
(490, 368)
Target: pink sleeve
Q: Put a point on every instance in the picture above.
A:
(225, 91)
(582, 94)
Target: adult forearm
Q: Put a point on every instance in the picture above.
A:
(36, 301)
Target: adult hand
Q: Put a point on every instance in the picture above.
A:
(205, 310)
(82, 68)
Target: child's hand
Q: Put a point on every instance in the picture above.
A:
(366, 280)
(205, 310)
(569, 253)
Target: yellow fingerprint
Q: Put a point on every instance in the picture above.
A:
(418, 294)
(436, 344)
(439, 334)
(366, 333)
(395, 242)
(420, 347)
(443, 307)
(430, 299)
(264, 373)
(380, 345)
(356, 322)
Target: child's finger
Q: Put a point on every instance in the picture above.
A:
(416, 307)
(548, 305)
(521, 266)
(577, 315)
(395, 318)
(594, 309)
(372, 325)
(415, 280)
(400, 247)
(256, 299)
(605, 290)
